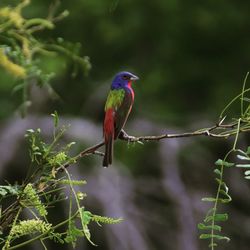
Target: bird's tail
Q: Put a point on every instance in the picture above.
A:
(107, 160)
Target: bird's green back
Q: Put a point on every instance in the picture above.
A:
(115, 99)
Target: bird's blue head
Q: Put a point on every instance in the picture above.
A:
(123, 79)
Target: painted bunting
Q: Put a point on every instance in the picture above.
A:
(118, 106)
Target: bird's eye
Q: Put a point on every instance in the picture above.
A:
(125, 77)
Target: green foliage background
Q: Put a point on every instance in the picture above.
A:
(182, 52)
(191, 58)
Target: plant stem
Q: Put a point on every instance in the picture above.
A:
(242, 95)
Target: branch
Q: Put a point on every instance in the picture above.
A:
(219, 130)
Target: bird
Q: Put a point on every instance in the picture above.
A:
(117, 109)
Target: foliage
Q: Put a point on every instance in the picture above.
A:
(8, 190)
(245, 157)
(210, 227)
(21, 51)
(41, 191)
(31, 199)
(213, 217)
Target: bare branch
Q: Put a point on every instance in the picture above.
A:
(219, 130)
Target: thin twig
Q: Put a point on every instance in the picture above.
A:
(213, 131)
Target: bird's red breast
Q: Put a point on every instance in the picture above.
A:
(131, 90)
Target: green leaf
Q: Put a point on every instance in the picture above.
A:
(18, 87)
(206, 236)
(68, 146)
(220, 162)
(72, 182)
(12, 190)
(225, 187)
(209, 199)
(219, 181)
(85, 216)
(224, 193)
(216, 217)
(72, 234)
(220, 237)
(228, 197)
(225, 200)
(107, 220)
(81, 195)
(3, 192)
(217, 171)
(30, 130)
(243, 165)
(247, 172)
(221, 217)
(56, 118)
(216, 236)
(241, 157)
(202, 226)
(222, 183)
(37, 153)
(246, 99)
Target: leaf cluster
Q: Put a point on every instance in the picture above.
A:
(244, 156)
(21, 49)
(41, 191)
(209, 227)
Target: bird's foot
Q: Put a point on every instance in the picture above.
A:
(129, 138)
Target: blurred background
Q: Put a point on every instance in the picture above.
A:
(191, 58)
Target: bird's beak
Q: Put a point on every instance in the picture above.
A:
(134, 78)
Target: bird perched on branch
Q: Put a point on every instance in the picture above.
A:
(118, 106)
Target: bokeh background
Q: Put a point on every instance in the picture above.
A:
(191, 58)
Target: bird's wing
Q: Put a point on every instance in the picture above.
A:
(117, 108)
(123, 111)
(114, 101)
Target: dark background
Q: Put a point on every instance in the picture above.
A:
(191, 58)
